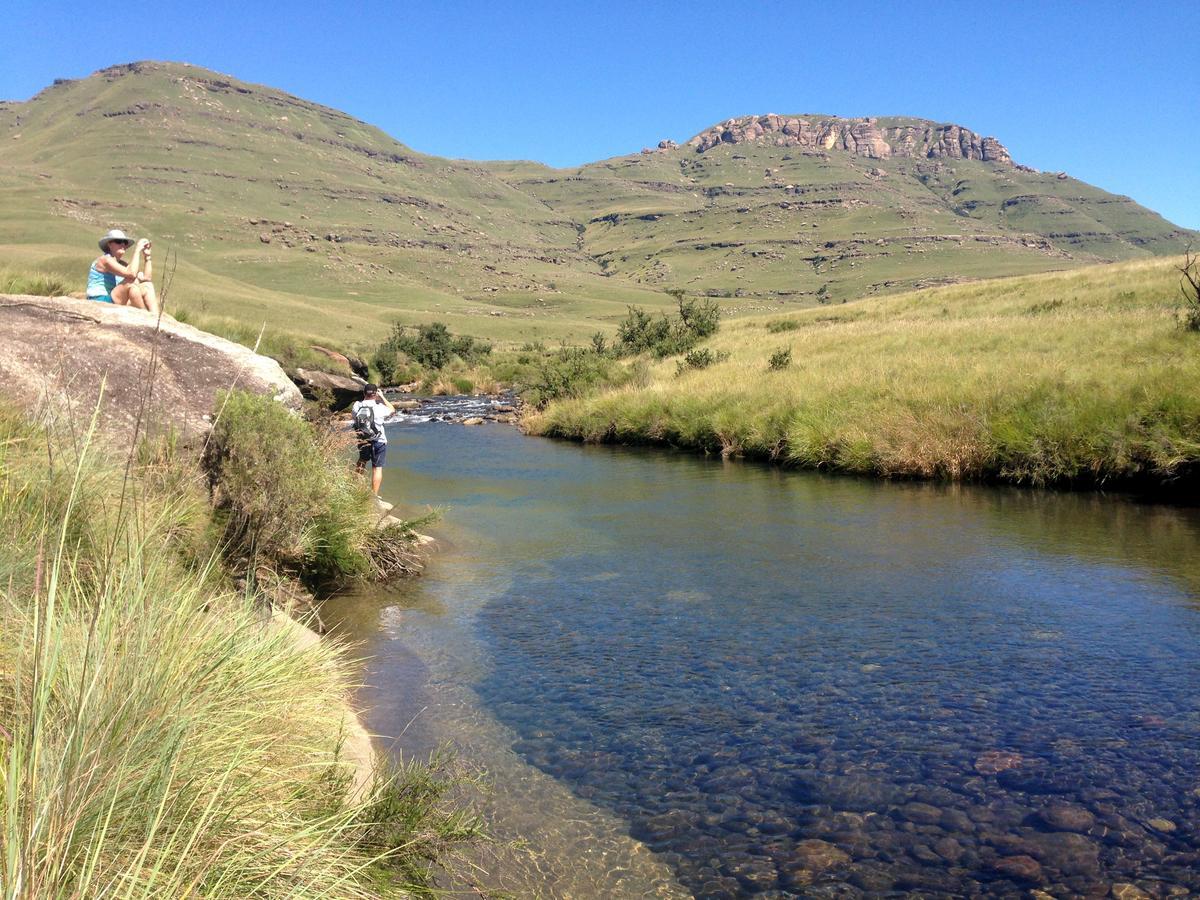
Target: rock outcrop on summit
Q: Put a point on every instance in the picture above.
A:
(865, 137)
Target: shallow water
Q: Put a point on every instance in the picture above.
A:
(696, 677)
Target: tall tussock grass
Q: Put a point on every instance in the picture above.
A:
(1083, 377)
(159, 737)
(41, 284)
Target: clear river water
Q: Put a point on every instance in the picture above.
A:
(689, 677)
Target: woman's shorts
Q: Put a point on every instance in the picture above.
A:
(373, 452)
(103, 298)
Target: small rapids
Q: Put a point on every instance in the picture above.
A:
(453, 409)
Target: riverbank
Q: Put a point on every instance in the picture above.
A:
(164, 732)
(1081, 378)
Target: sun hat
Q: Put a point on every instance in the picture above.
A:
(115, 234)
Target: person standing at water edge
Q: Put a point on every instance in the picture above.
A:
(111, 280)
(369, 415)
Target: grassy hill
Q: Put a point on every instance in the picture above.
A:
(1081, 377)
(361, 229)
(803, 224)
(286, 211)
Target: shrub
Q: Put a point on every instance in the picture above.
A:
(640, 332)
(571, 372)
(287, 496)
(699, 359)
(780, 325)
(780, 359)
(470, 350)
(1189, 287)
(700, 318)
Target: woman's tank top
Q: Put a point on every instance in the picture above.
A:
(99, 283)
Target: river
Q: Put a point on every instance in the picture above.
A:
(693, 677)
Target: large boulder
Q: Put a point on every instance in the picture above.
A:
(56, 353)
(336, 391)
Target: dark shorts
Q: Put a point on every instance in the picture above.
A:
(373, 452)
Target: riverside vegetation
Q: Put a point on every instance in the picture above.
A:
(160, 737)
(1082, 378)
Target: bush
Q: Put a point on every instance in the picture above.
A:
(288, 497)
(571, 372)
(780, 359)
(1189, 287)
(430, 346)
(699, 359)
(781, 325)
(640, 332)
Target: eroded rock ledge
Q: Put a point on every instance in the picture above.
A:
(865, 137)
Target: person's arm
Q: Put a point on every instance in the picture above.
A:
(148, 268)
(386, 405)
(110, 264)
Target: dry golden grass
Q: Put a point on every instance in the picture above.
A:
(1082, 376)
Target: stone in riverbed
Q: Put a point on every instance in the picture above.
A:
(1123, 890)
(1071, 854)
(956, 820)
(817, 855)
(473, 420)
(921, 813)
(1163, 826)
(1067, 817)
(995, 761)
(1019, 868)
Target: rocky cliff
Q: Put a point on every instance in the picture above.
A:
(59, 357)
(865, 137)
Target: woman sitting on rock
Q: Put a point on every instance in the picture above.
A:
(110, 280)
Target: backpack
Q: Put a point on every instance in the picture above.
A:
(364, 423)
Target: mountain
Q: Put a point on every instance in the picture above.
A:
(815, 207)
(288, 211)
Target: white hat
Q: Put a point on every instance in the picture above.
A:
(115, 235)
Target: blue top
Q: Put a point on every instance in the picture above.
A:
(100, 283)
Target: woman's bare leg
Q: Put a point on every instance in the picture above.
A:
(149, 297)
(121, 294)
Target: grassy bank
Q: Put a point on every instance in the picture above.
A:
(1082, 377)
(158, 737)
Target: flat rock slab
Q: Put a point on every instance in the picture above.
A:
(57, 352)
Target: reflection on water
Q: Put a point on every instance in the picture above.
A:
(787, 684)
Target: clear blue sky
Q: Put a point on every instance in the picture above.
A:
(1107, 91)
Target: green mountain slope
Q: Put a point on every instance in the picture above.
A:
(286, 211)
(775, 216)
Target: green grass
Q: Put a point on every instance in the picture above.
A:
(1072, 378)
(36, 283)
(157, 737)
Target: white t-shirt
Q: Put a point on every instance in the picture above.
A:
(379, 412)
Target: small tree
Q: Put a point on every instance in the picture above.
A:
(1189, 287)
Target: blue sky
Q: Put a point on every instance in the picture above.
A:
(1109, 92)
